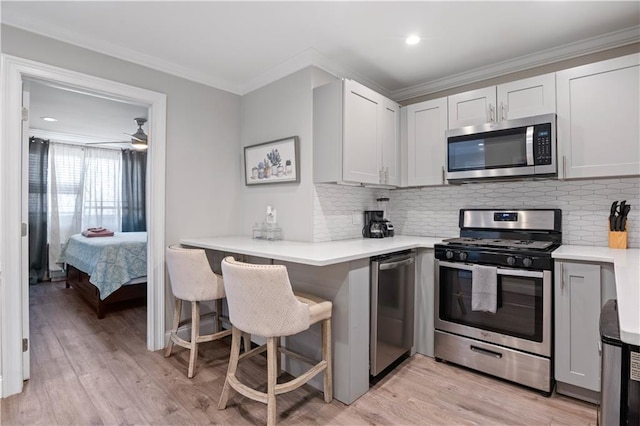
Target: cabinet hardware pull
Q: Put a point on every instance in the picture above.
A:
(561, 276)
(564, 167)
(492, 113)
(442, 174)
(485, 352)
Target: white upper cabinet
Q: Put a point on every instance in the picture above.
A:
(517, 99)
(473, 107)
(390, 145)
(355, 135)
(426, 143)
(599, 119)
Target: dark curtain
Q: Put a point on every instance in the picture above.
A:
(134, 179)
(38, 253)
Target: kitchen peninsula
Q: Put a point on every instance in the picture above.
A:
(338, 271)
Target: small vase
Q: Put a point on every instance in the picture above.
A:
(288, 169)
(260, 173)
(267, 172)
(254, 173)
(280, 171)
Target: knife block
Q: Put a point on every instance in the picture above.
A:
(618, 239)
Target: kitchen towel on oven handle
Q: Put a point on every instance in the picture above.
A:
(484, 288)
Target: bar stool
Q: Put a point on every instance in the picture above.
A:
(261, 302)
(193, 280)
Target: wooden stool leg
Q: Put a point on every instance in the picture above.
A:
(195, 332)
(233, 366)
(278, 358)
(177, 309)
(246, 341)
(272, 366)
(326, 355)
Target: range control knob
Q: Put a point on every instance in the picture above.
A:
(527, 261)
(449, 254)
(511, 260)
(462, 256)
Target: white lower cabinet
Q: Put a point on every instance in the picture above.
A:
(580, 291)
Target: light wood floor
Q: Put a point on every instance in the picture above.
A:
(89, 371)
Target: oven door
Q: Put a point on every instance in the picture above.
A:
(522, 320)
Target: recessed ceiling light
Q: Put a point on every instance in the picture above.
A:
(413, 39)
(49, 119)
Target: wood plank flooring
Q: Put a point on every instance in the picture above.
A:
(89, 371)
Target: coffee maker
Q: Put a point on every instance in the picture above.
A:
(383, 204)
(374, 226)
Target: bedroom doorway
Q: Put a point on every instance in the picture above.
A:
(14, 312)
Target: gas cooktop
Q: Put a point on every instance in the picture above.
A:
(501, 243)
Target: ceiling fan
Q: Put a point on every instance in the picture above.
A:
(138, 139)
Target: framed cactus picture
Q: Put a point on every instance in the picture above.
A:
(272, 162)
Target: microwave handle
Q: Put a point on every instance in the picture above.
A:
(529, 146)
(507, 272)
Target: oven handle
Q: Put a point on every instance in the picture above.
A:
(507, 272)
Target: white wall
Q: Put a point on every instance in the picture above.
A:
(282, 109)
(203, 132)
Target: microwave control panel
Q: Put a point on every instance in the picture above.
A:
(542, 144)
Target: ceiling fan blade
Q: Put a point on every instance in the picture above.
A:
(136, 138)
(102, 143)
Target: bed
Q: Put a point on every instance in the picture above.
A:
(108, 272)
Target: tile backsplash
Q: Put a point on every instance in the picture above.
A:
(337, 210)
(433, 211)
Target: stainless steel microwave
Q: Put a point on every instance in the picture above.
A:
(511, 148)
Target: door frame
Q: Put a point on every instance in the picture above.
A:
(12, 277)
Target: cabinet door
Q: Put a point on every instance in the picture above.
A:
(528, 97)
(473, 107)
(426, 142)
(577, 309)
(599, 119)
(390, 164)
(362, 127)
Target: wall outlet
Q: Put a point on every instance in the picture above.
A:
(357, 218)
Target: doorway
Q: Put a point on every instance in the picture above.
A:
(14, 310)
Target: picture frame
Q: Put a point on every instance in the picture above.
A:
(276, 161)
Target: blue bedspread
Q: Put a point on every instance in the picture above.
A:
(110, 262)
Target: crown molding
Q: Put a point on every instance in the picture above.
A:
(119, 52)
(544, 57)
(304, 59)
(311, 57)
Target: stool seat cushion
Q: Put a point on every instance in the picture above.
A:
(261, 301)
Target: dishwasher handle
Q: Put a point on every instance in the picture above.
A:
(393, 265)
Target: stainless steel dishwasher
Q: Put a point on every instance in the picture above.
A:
(392, 308)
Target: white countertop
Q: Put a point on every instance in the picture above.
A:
(626, 265)
(626, 262)
(316, 254)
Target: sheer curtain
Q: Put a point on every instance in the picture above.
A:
(85, 187)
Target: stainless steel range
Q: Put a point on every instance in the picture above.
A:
(493, 294)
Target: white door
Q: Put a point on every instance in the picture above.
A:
(527, 97)
(361, 142)
(472, 108)
(26, 357)
(426, 142)
(599, 119)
